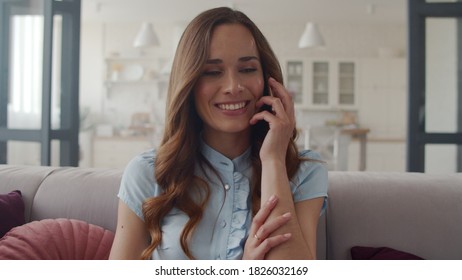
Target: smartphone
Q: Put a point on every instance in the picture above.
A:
(267, 91)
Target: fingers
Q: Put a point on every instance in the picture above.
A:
(263, 213)
(274, 102)
(270, 226)
(281, 92)
(260, 240)
(281, 104)
(269, 243)
(278, 110)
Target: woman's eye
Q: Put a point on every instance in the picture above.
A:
(211, 73)
(248, 70)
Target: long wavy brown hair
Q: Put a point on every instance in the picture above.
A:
(179, 151)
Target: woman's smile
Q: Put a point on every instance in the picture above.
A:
(232, 106)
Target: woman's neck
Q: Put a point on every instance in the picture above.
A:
(231, 145)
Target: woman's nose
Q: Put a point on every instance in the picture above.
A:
(232, 84)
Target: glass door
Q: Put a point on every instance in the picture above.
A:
(435, 87)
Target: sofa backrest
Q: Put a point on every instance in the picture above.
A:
(412, 212)
(27, 179)
(87, 194)
(79, 193)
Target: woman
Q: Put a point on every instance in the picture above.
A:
(227, 181)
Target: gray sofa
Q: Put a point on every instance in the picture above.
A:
(412, 212)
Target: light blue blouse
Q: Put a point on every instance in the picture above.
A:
(224, 228)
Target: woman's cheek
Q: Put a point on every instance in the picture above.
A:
(257, 87)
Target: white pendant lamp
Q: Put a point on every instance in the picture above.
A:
(146, 37)
(311, 37)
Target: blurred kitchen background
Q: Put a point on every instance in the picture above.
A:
(351, 87)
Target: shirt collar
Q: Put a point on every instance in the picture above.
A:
(219, 161)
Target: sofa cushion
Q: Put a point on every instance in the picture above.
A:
(11, 211)
(56, 239)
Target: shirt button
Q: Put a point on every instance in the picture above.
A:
(223, 223)
(227, 187)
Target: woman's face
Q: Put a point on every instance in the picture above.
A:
(231, 81)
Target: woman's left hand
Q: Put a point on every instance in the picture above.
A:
(281, 121)
(260, 242)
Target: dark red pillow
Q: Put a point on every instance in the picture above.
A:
(380, 253)
(11, 211)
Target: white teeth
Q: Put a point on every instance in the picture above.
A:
(231, 107)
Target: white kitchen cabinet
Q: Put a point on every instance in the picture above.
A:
(328, 84)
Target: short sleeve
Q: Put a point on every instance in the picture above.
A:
(310, 181)
(138, 182)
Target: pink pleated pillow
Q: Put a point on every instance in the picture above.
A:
(56, 239)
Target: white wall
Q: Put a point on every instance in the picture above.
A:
(345, 40)
(91, 66)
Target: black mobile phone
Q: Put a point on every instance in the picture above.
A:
(268, 92)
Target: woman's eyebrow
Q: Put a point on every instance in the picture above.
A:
(214, 61)
(241, 59)
(248, 58)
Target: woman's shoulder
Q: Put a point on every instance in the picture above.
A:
(146, 158)
(310, 155)
(141, 169)
(311, 166)
(138, 181)
(311, 180)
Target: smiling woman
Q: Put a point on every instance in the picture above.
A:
(227, 181)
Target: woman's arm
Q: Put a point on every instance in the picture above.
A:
(308, 218)
(304, 216)
(274, 181)
(131, 236)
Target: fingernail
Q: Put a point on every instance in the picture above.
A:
(287, 215)
(287, 235)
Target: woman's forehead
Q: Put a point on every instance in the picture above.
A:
(232, 38)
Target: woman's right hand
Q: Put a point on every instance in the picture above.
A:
(259, 242)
